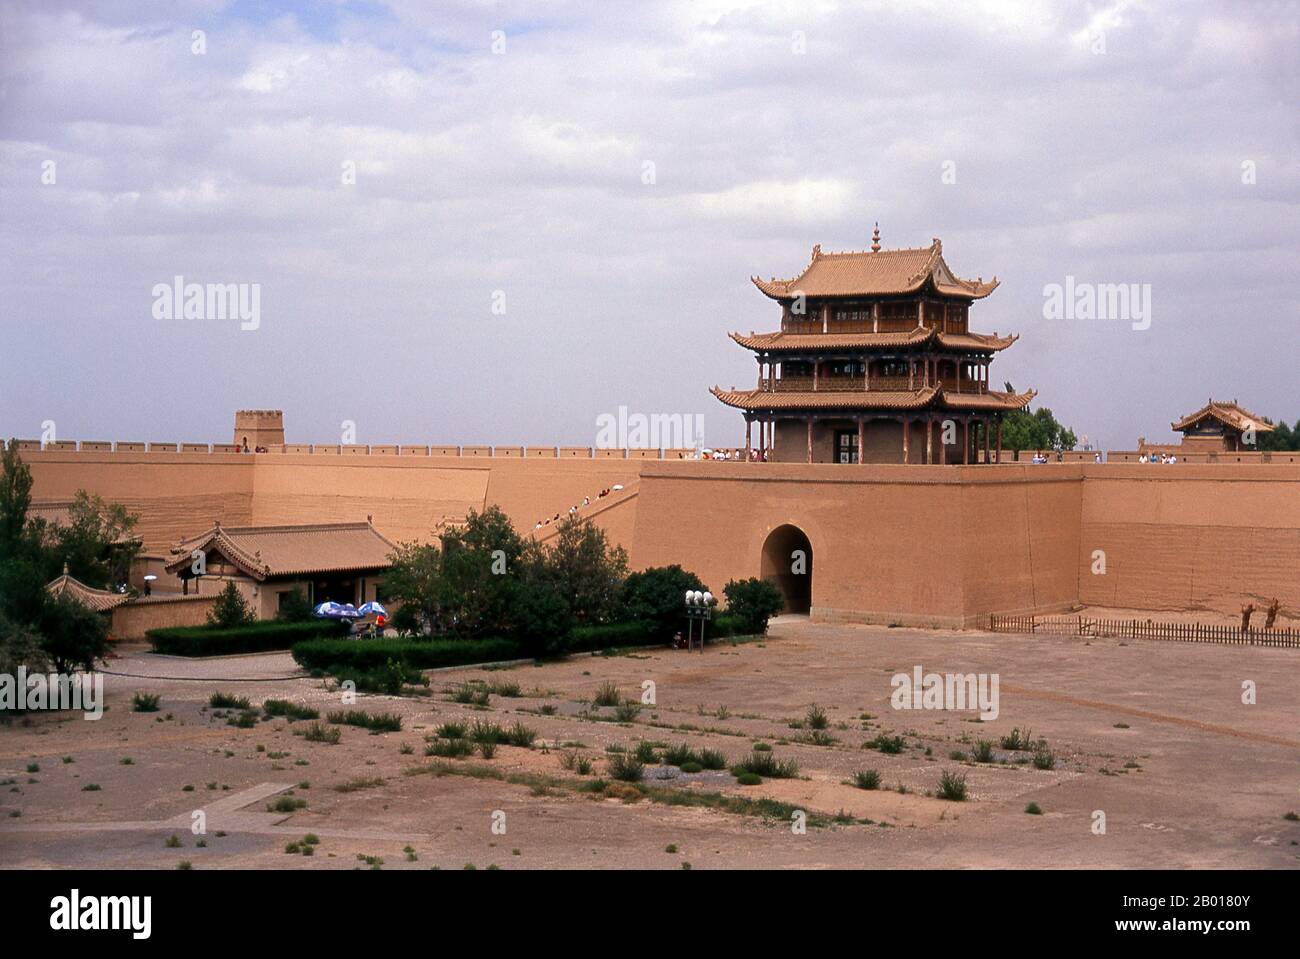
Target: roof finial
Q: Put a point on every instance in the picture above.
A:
(875, 238)
(65, 567)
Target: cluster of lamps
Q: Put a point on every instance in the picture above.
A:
(696, 598)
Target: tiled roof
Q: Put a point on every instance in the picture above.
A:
(792, 342)
(930, 397)
(1230, 414)
(100, 600)
(264, 551)
(875, 273)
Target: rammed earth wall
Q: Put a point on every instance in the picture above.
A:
(907, 544)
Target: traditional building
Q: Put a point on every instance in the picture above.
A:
(344, 562)
(875, 363)
(1221, 427)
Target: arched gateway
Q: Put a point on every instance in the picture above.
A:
(788, 562)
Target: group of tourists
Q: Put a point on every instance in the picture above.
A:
(753, 456)
(1164, 458)
(586, 501)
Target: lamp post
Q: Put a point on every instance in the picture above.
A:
(699, 608)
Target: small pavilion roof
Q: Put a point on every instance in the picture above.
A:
(915, 338)
(876, 272)
(930, 397)
(1227, 413)
(265, 551)
(100, 600)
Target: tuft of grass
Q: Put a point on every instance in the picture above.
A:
(867, 779)
(33, 767)
(627, 711)
(1291, 817)
(606, 695)
(816, 717)
(766, 764)
(625, 767)
(245, 720)
(318, 732)
(1034, 809)
(891, 745)
(711, 759)
(576, 762)
(471, 694)
(449, 748)
(1018, 739)
(228, 701)
(289, 710)
(982, 751)
(286, 804)
(487, 750)
(749, 779)
(173, 841)
(144, 703)
(451, 731)
(506, 688)
(375, 722)
(952, 786)
(1044, 758)
(356, 785)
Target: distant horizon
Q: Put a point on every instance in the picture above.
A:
(470, 226)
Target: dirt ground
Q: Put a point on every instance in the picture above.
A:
(1154, 736)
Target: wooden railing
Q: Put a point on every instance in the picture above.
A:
(1145, 629)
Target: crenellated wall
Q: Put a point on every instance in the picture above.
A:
(908, 544)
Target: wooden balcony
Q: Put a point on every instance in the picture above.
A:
(848, 384)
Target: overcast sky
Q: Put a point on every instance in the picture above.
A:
(612, 174)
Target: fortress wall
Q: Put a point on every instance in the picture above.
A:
(1191, 537)
(1021, 538)
(911, 544)
(176, 494)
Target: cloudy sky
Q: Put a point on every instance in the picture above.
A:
(608, 176)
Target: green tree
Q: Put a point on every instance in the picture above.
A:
(230, 609)
(72, 635)
(295, 608)
(1039, 430)
(753, 602)
(586, 570)
(97, 543)
(658, 596)
(15, 498)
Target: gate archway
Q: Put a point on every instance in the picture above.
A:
(788, 562)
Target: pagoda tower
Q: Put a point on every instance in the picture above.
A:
(875, 363)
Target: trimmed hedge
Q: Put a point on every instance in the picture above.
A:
(367, 655)
(255, 638)
(589, 639)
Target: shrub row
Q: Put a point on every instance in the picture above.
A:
(369, 655)
(255, 638)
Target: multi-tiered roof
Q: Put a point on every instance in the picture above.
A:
(891, 309)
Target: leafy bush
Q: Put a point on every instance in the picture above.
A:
(331, 655)
(254, 638)
(656, 596)
(230, 609)
(890, 745)
(753, 602)
(983, 752)
(586, 639)
(606, 695)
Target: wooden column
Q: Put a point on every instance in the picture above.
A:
(817, 365)
(929, 440)
(749, 436)
(810, 439)
(907, 429)
(998, 457)
(943, 445)
(862, 439)
(965, 441)
(987, 458)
